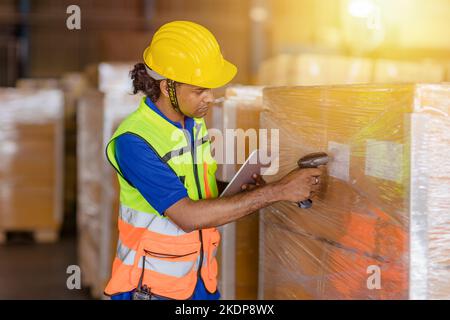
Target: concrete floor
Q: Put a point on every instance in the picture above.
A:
(37, 271)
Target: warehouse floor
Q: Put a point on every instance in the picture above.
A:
(37, 271)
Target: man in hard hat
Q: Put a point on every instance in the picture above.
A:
(161, 152)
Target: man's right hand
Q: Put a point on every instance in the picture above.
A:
(299, 184)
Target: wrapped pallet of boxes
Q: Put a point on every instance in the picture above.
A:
(98, 115)
(237, 113)
(72, 84)
(380, 227)
(31, 150)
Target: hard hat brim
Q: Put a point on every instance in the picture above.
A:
(222, 77)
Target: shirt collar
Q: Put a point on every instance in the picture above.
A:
(187, 120)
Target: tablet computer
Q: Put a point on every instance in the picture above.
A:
(244, 176)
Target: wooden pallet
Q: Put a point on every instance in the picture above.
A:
(39, 236)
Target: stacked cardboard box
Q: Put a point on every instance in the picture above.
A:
(72, 85)
(98, 115)
(314, 69)
(379, 228)
(31, 130)
(274, 71)
(320, 69)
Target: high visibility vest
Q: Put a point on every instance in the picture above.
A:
(151, 246)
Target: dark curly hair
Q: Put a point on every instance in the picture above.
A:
(142, 82)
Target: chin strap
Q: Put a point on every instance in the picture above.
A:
(173, 95)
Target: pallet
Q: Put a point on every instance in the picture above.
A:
(3, 237)
(41, 236)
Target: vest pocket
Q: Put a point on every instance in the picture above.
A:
(212, 246)
(168, 256)
(169, 266)
(165, 259)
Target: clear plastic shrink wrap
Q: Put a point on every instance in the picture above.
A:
(380, 228)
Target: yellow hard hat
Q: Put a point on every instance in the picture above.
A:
(187, 52)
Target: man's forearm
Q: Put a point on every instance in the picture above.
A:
(209, 213)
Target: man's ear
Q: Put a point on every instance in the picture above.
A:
(164, 88)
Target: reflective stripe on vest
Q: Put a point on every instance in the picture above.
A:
(151, 222)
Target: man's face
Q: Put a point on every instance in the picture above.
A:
(194, 101)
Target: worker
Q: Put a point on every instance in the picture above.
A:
(161, 152)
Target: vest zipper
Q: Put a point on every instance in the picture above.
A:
(194, 162)
(197, 182)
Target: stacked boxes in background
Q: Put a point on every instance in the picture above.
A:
(314, 69)
(31, 150)
(320, 69)
(387, 71)
(73, 85)
(239, 109)
(379, 229)
(98, 115)
(35, 83)
(447, 77)
(274, 71)
(238, 112)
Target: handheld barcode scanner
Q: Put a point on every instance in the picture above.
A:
(312, 160)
